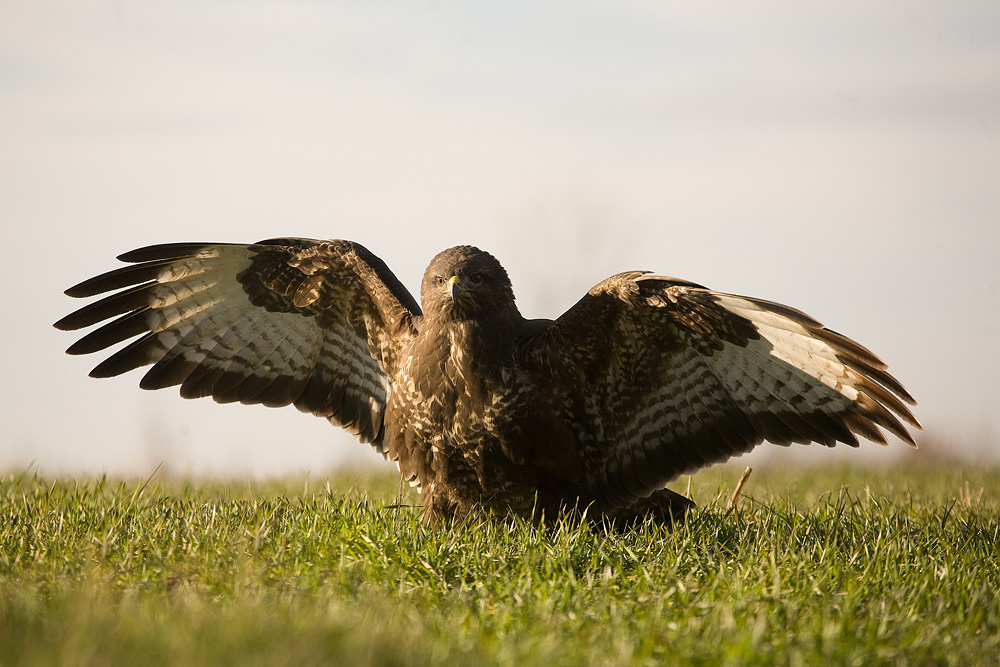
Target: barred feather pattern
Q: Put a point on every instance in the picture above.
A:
(663, 377)
(644, 379)
(318, 325)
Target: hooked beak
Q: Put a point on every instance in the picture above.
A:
(454, 287)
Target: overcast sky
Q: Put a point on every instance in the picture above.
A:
(843, 158)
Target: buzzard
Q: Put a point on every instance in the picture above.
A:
(646, 378)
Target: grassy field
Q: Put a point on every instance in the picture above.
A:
(818, 566)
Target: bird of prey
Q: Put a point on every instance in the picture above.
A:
(646, 378)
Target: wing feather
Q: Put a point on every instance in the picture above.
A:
(689, 377)
(318, 324)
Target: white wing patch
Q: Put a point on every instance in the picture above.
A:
(740, 371)
(792, 343)
(209, 319)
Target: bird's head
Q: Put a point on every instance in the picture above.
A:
(465, 282)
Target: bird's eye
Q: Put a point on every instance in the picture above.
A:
(440, 281)
(475, 278)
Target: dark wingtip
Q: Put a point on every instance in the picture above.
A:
(80, 290)
(162, 251)
(65, 324)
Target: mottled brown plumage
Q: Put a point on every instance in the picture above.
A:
(644, 379)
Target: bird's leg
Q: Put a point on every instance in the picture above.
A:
(437, 508)
(663, 506)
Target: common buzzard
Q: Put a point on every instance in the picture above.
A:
(646, 378)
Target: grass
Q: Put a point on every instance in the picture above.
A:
(817, 566)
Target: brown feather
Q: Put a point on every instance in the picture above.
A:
(644, 379)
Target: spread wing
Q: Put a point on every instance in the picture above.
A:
(317, 324)
(661, 377)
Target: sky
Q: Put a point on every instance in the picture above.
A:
(842, 158)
